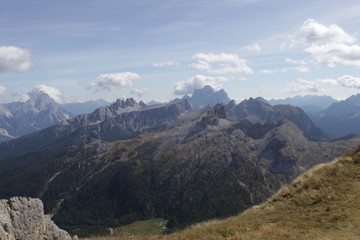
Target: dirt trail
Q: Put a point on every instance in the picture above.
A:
(47, 184)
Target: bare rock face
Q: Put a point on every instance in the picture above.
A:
(23, 219)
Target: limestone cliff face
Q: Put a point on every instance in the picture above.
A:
(24, 219)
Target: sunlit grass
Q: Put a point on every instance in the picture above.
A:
(322, 204)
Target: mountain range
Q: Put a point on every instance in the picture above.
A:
(310, 103)
(338, 118)
(41, 111)
(84, 107)
(129, 161)
(341, 118)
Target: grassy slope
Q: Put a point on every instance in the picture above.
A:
(322, 204)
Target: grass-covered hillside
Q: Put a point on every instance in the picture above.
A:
(321, 204)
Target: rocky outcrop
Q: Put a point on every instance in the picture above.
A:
(24, 219)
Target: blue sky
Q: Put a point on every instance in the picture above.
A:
(159, 50)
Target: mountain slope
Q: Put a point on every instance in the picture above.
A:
(320, 204)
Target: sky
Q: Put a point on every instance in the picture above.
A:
(82, 50)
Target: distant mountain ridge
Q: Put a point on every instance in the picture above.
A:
(84, 107)
(259, 110)
(309, 103)
(40, 111)
(123, 119)
(205, 96)
(341, 118)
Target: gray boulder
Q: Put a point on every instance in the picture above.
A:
(23, 219)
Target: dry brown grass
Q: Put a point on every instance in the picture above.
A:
(322, 204)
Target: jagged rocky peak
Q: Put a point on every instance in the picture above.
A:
(205, 90)
(23, 218)
(40, 100)
(211, 117)
(208, 96)
(259, 101)
(220, 111)
(130, 103)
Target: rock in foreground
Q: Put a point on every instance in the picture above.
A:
(24, 219)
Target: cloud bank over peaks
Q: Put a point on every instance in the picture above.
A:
(112, 80)
(14, 59)
(223, 63)
(54, 93)
(304, 86)
(330, 44)
(198, 81)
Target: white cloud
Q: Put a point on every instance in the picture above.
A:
(304, 86)
(54, 93)
(330, 44)
(166, 64)
(14, 59)
(222, 63)
(198, 81)
(345, 81)
(110, 80)
(336, 53)
(349, 81)
(140, 92)
(318, 33)
(2, 90)
(328, 81)
(255, 47)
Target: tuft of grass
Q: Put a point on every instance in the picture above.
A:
(322, 204)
